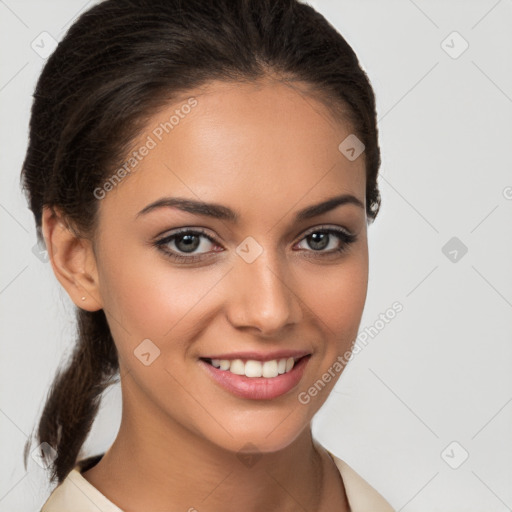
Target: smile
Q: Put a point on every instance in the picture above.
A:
(252, 368)
(256, 380)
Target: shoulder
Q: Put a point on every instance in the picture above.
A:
(362, 497)
(77, 494)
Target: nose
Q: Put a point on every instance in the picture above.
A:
(263, 298)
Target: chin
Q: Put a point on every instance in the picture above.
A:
(263, 433)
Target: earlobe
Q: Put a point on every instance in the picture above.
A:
(72, 259)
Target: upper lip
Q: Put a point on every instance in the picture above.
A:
(261, 356)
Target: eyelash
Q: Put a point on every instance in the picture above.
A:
(345, 238)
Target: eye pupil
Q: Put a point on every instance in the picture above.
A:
(319, 240)
(191, 244)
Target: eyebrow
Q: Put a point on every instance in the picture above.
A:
(218, 211)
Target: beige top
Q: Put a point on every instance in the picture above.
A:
(76, 494)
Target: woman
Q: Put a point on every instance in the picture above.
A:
(203, 175)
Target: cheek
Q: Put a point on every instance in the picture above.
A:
(338, 307)
(147, 298)
(342, 301)
(339, 300)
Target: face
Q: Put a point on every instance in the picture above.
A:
(208, 306)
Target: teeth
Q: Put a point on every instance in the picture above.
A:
(252, 368)
(237, 367)
(269, 369)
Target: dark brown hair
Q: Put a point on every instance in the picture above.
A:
(117, 65)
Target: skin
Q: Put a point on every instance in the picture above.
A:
(265, 150)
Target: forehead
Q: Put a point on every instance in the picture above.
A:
(267, 145)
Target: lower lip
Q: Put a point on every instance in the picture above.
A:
(258, 388)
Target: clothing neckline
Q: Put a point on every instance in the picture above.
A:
(361, 496)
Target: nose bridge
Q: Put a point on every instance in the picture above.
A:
(264, 297)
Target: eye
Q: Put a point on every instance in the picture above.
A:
(186, 241)
(336, 240)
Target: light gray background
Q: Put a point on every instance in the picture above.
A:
(440, 371)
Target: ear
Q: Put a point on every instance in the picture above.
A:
(72, 259)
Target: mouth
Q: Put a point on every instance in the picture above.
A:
(256, 379)
(254, 368)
